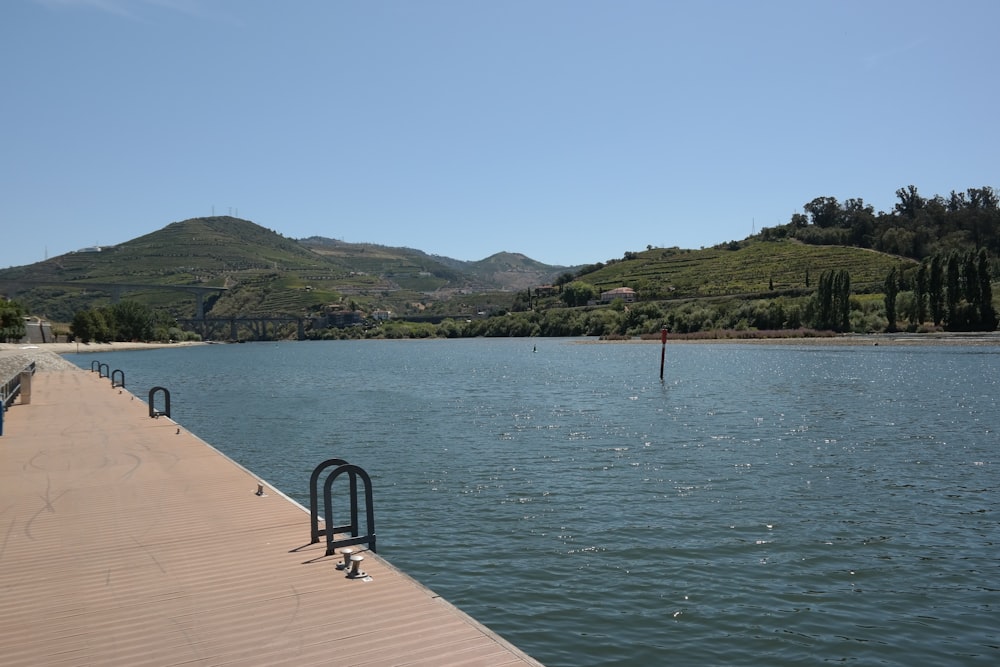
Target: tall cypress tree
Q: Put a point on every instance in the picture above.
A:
(987, 316)
(891, 290)
(824, 301)
(970, 290)
(843, 300)
(920, 295)
(953, 292)
(935, 289)
(832, 301)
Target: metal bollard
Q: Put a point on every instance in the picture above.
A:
(356, 571)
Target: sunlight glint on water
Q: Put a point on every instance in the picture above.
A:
(766, 505)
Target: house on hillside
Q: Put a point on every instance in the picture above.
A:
(546, 290)
(626, 294)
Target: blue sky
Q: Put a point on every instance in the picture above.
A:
(568, 130)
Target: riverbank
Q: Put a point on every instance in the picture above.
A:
(980, 338)
(70, 348)
(48, 356)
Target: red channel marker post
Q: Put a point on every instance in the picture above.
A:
(663, 350)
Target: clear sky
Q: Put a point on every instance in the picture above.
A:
(568, 130)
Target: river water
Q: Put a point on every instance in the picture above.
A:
(763, 505)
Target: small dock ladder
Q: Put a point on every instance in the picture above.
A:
(350, 532)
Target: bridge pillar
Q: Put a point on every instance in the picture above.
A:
(200, 308)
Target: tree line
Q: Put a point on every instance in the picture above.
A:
(12, 328)
(954, 240)
(952, 289)
(125, 321)
(917, 227)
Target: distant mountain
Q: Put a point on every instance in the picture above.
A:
(262, 272)
(248, 270)
(502, 271)
(513, 270)
(229, 267)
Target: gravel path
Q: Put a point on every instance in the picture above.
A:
(15, 356)
(13, 362)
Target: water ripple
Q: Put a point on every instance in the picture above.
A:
(768, 505)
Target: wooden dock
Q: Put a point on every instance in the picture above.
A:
(126, 540)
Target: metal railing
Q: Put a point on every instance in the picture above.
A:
(11, 389)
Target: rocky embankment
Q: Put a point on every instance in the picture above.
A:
(13, 362)
(15, 357)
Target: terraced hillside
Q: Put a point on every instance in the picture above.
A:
(415, 270)
(403, 268)
(207, 252)
(263, 273)
(752, 269)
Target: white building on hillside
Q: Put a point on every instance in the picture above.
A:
(626, 294)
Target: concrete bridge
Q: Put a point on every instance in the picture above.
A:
(259, 327)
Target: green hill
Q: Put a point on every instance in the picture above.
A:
(260, 272)
(230, 267)
(403, 268)
(416, 270)
(219, 252)
(244, 270)
(750, 269)
(512, 270)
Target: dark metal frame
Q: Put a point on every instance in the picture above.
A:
(354, 473)
(153, 412)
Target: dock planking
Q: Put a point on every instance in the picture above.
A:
(126, 540)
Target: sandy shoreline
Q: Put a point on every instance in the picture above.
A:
(14, 357)
(942, 338)
(70, 348)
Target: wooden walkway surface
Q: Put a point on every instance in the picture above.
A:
(124, 542)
